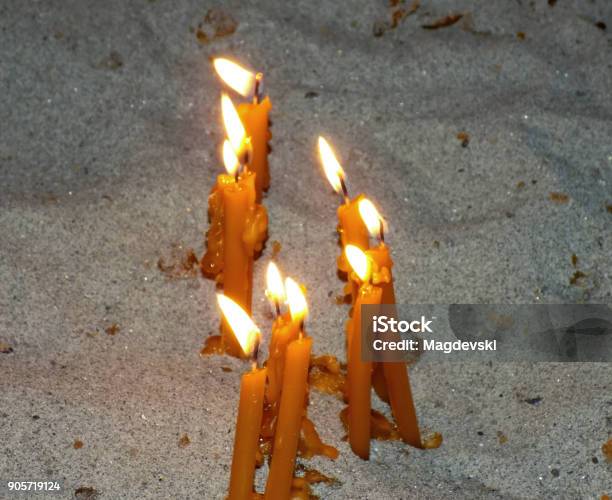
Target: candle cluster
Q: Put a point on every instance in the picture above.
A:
(370, 282)
(273, 399)
(272, 417)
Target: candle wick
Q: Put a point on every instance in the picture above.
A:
(258, 89)
(344, 191)
(248, 150)
(381, 232)
(301, 328)
(277, 306)
(255, 354)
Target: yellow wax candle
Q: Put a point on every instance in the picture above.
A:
(284, 331)
(402, 404)
(360, 377)
(244, 223)
(292, 399)
(237, 263)
(245, 227)
(212, 262)
(396, 373)
(397, 383)
(382, 265)
(254, 116)
(360, 372)
(292, 404)
(250, 407)
(352, 230)
(246, 437)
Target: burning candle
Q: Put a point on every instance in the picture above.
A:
(238, 224)
(359, 371)
(212, 262)
(275, 289)
(284, 330)
(292, 402)
(254, 115)
(250, 407)
(379, 255)
(395, 373)
(351, 228)
(238, 198)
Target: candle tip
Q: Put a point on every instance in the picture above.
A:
(359, 262)
(275, 289)
(245, 330)
(234, 128)
(372, 219)
(235, 76)
(331, 166)
(298, 307)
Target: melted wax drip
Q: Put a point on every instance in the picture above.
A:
(253, 238)
(327, 375)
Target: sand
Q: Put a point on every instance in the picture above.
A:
(109, 145)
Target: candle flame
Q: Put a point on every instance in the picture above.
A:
(245, 330)
(275, 289)
(229, 158)
(298, 308)
(359, 261)
(371, 216)
(332, 168)
(234, 75)
(233, 125)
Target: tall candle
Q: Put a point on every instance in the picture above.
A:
(244, 223)
(237, 263)
(359, 371)
(285, 328)
(290, 415)
(402, 404)
(246, 437)
(292, 400)
(382, 278)
(395, 373)
(250, 407)
(360, 378)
